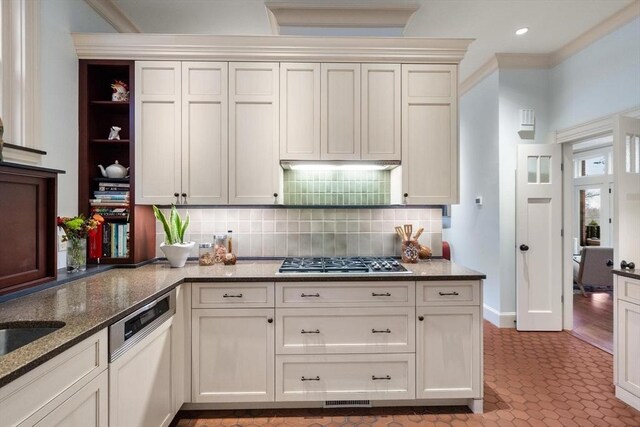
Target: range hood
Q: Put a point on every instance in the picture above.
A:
(356, 165)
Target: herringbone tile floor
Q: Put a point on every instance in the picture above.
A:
(531, 379)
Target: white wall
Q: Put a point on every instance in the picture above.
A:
(602, 79)
(474, 232)
(59, 90)
(59, 93)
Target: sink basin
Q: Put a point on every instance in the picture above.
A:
(17, 334)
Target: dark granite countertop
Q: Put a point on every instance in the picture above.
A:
(634, 274)
(92, 303)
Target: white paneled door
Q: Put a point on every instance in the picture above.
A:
(626, 168)
(538, 237)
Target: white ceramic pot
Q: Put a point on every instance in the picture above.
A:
(178, 253)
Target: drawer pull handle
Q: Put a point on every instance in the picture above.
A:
(303, 295)
(374, 378)
(386, 294)
(386, 331)
(317, 331)
(232, 296)
(310, 379)
(454, 293)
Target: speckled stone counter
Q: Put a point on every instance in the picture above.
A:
(634, 274)
(90, 304)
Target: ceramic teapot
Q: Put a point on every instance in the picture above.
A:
(115, 170)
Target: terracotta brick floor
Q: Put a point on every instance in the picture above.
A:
(531, 379)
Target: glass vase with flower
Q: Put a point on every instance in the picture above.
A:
(76, 229)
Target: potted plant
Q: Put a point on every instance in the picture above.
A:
(76, 230)
(174, 247)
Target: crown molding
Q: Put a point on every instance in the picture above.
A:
(358, 14)
(269, 48)
(478, 75)
(552, 59)
(596, 32)
(114, 15)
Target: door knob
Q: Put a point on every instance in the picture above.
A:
(524, 247)
(630, 265)
(609, 263)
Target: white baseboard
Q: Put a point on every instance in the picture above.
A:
(501, 320)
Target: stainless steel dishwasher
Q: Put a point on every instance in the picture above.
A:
(140, 366)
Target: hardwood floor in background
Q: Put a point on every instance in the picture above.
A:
(593, 319)
(531, 379)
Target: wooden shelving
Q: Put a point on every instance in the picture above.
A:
(98, 113)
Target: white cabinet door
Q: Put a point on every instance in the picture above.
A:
(254, 165)
(429, 134)
(141, 382)
(627, 349)
(157, 131)
(299, 111)
(448, 353)
(233, 355)
(88, 407)
(340, 111)
(204, 133)
(381, 112)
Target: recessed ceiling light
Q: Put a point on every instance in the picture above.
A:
(522, 31)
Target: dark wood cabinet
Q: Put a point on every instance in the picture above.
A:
(98, 113)
(27, 226)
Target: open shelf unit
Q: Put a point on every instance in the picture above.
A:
(97, 113)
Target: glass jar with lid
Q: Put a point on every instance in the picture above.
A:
(219, 247)
(205, 253)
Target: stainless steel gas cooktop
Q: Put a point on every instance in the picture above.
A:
(338, 265)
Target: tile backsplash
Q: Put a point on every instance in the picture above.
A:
(337, 188)
(279, 232)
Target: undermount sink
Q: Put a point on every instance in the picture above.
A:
(17, 334)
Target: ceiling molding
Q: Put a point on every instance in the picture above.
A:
(478, 75)
(595, 33)
(269, 48)
(344, 15)
(550, 60)
(114, 15)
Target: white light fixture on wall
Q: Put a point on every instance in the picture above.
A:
(527, 128)
(338, 165)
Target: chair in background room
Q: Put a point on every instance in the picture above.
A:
(594, 268)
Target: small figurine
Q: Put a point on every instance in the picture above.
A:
(114, 133)
(120, 91)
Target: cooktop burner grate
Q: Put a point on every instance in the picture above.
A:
(364, 265)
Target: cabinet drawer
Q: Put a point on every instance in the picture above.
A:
(345, 330)
(345, 294)
(40, 391)
(463, 292)
(333, 377)
(628, 289)
(221, 295)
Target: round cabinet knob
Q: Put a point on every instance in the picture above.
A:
(524, 248)
(184, 194)
(421, 318)
(270, 320)
(623, 264)
(275, 194)
(609, 263)
(176, 195)
(631, 265)
(406, 194)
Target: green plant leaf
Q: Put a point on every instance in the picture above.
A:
(163, 220)
(185, 224)
(174, 221)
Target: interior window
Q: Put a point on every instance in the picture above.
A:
(590, 216)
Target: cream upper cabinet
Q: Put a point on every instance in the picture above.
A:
(429, 134)
(254, 167)
(299, 111)
(380, 112)
(157, 131)
(340, 111)
(204, 133)
(181, 132)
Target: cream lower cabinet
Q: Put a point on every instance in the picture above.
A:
(181, 132)
(429, 134)
(68, 390)
(626, 352)
(449, 341)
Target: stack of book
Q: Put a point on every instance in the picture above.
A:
(111, 239)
